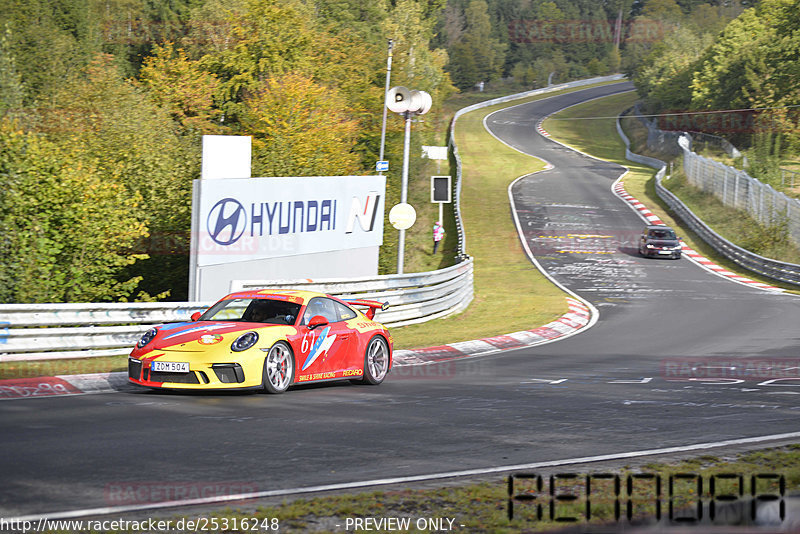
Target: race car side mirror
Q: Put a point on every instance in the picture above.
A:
(196, 316)
(317, 321)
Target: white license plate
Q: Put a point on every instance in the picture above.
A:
(170, 367)
(665, 252)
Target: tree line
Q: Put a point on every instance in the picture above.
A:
(748, 64)
(103, 104)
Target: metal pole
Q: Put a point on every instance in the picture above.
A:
(404, 190)
(385, 110)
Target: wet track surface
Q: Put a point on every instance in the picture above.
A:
(621, 386)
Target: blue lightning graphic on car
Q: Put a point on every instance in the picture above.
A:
(320, 347)
(207, 328)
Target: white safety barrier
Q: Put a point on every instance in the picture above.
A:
(85, 330)
(58, 331)
(414, 297)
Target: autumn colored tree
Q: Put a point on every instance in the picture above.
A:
(265, 38)
(135, 143)
(417, 64)
(117, 93)
(300, 128)
(180, 86)
(12, 90)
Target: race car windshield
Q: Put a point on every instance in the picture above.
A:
(662, 234)
(265, 311)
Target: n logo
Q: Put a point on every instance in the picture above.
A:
(365, 214)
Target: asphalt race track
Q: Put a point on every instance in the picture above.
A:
(615, 388)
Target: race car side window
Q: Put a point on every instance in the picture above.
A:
(318, 306)
(330, 309)
(343, 312)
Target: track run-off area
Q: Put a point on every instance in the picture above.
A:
(680, 359)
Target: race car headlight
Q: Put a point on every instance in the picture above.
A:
(147, 338)
(650, 246)
(244, 342)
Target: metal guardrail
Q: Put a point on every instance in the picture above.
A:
(61, 331)
(777, 270)
(55, 331)
(414, 297)
(638, 158)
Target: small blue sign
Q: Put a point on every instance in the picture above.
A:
(382, 166)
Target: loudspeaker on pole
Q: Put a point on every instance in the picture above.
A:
(398, 99)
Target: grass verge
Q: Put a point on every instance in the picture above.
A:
(599, 138)
(510, 293)
(78, 366)
(482, 507)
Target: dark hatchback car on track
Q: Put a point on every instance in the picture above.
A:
(659, 240)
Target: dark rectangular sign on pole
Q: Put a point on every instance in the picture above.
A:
(441, 191)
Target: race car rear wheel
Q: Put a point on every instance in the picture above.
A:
(278, 368)
(376, 361)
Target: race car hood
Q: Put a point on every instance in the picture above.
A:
(200, 336)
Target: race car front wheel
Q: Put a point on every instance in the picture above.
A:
(278, 368)
(376, 361)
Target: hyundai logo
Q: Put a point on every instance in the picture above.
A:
(226, 221)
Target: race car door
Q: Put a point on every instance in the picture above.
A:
(324, 350)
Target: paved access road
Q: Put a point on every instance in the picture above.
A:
(604, 391)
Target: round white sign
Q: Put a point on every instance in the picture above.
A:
(402, 216)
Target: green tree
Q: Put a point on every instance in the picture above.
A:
(663, 77)
(266, 38)
(476, 56)
(663, 10)
(753, 64)
(12, 90)
(722, 81)
(48, 40)
(353, 16)
(137, 144)
(69, 229)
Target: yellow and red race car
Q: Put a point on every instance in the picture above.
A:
(266, 339)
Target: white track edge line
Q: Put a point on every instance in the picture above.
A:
(594, 314)
(402, 480)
